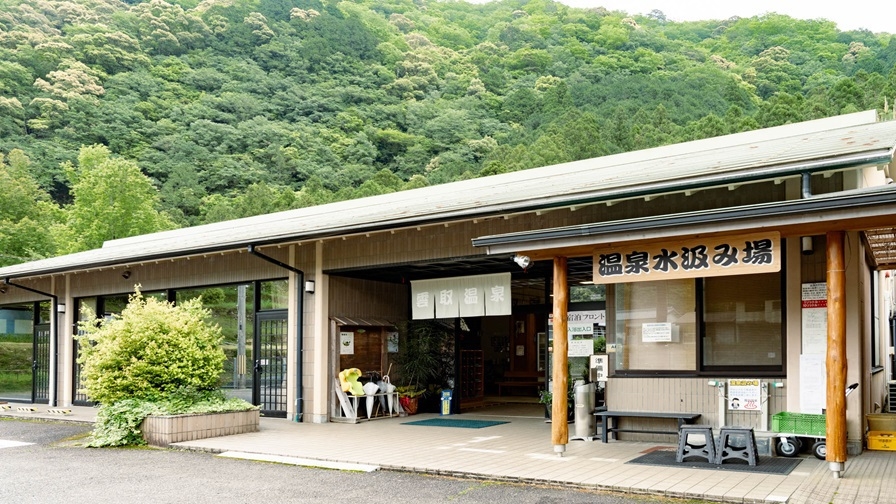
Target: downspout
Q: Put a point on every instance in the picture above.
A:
(299, 386)
(54, 330)
(806, 185)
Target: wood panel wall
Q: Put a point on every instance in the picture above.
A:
(692, 395)
(454, 240)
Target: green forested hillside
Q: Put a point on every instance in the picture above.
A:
(239, 107)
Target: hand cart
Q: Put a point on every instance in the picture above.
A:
(796, 429)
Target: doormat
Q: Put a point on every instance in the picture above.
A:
(455, 422)
(766, 465)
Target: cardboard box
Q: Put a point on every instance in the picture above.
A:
(878, 440)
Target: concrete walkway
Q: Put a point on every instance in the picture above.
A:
(521, 451)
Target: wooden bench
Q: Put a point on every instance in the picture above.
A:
(609, 421)
(521, 379)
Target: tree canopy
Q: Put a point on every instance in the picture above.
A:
(122, 118)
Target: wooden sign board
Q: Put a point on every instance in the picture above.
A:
(693, 258)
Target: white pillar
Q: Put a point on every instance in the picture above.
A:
(67, 341)
(319, 350)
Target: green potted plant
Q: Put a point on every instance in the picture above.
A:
(422, 350)
(409, 397)
(546, 397)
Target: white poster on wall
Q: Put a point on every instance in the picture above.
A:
(658, 332)
(581, 327)
(814, 317)
(581, 340)
(346, 343)
(813, 380)
(744, 394)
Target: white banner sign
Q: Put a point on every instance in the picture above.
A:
(469, 296)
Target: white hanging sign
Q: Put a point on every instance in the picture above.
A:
(469, 296)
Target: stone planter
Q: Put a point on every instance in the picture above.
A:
(163, 430)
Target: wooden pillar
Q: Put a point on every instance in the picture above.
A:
(559, 424)
(835, 361)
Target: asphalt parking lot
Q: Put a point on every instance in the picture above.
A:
(48, 462)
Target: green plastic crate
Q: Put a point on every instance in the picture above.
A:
(799, 423)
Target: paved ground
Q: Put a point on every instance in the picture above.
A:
(46, 461)
(520, 451)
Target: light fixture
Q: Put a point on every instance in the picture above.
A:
(126, 274)
(522, 261)
(806, 245)
(309, 286)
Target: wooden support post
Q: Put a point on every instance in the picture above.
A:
(835, 361)
(559, 423)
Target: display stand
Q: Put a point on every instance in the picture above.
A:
(353, 410)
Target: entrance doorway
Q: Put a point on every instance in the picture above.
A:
(25, 353)
(40, 366)
(269, 347)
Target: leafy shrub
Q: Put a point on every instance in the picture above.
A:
(151, 350)
(118, 423)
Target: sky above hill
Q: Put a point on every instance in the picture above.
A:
(874, 15)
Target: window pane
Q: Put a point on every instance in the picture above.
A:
(743, 321)
(86, 303)
(114, 305)
(587, 293)
(274, 295)
(232, 309)
(655, 325)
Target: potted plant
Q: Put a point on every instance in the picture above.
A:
(425, 347)
(409, 397)
(546, 397)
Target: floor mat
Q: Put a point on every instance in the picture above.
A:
(455, 422)
(768, 465)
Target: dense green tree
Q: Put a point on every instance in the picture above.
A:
(112, 199)
(300, 102)
(257, 199)
(26, 213)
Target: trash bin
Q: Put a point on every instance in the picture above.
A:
(446, 401)
(586, 423)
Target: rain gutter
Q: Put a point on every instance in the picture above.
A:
(773, 209)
